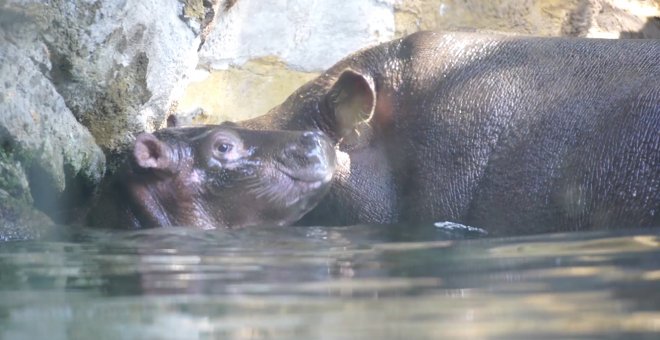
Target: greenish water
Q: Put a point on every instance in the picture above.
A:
(370, 282)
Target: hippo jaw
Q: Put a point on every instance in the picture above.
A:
(296, 191)
(285, 198)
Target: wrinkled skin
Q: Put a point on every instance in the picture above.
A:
(217, 176)
(511, 134)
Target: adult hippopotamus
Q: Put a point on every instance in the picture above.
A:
(216, 176)
(507, 133)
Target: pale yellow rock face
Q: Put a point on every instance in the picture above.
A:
(585, 18)
(263, 82)
(513, 16)
(242, 93)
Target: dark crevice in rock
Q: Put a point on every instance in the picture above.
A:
(211, 8)
(229, 4)
(61, 71)
(578, 22)
(65, 207)
(44, 193)
(6, 145)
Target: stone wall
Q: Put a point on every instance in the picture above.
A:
(260, 51)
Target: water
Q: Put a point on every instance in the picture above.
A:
(370, 282)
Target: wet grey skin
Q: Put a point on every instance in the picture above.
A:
(217, 176)
(512, 134)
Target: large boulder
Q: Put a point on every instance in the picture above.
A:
(79, 79)
(120, 65)
(47, 157)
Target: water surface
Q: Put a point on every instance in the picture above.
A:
(372, 282)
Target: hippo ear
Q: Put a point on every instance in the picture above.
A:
(353, 99)
(151, 153)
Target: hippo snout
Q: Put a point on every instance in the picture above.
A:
(311, 158)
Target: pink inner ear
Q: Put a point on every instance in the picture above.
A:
(361, 87)
(149, 152)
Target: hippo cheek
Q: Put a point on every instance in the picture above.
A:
(268, 197)
(282, 199)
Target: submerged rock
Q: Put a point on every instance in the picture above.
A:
(19, 221)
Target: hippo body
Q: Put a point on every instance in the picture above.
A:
(216, 176)
(511, 134)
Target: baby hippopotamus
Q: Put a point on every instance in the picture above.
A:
(217, 176)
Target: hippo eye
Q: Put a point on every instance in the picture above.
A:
(224, 147)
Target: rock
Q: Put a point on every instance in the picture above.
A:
(120, 65)
(19, 221)
(79, 77)
(268, 77)
(584, 18)
(47, 157)
(611, 19)
(262, 51)
(13, 179)
(310, 35)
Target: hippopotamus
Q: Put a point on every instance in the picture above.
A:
(512, 134)
(216, 176)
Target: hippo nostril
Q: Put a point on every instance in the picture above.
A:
(314, 159)
(314, 133)
(311, 139)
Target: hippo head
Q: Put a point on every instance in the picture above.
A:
(217, 176)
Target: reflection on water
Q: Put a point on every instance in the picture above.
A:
(351, 282)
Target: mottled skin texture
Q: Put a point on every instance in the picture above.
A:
(511, 134)
(217, 176)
